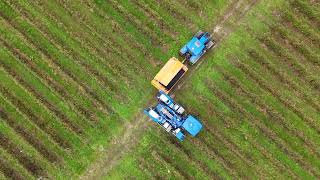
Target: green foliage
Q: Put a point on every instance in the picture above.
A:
(72, 73)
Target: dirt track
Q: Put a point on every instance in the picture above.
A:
(120, 146)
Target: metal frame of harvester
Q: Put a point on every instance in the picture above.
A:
(168, 114)
(172, 117)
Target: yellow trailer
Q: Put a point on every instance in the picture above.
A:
(169, 75)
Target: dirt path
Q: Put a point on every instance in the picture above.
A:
(133, 130)
(120, 146)
(224, 27)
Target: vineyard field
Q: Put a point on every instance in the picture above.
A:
(75, 78)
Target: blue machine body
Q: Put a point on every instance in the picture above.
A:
(197, 47)
(171, 116)
(192, 125)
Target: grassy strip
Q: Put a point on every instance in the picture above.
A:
(11, 168)
(92, 40)
(52, 75)
(204, 158)
(150, 169)
(132, 29)
(286, 139)
(287, 72)
(261, 57)
(165, 167)
(43, 145)
(74, 163)
(152, 162)
(294, 67)
(271, 113)
(288, 96)
(18, 121)
(229, 152)
(123, 42)
(177, 158)
(128, 64)
(114, 102)
(128, 169)
(223, 123)
(73, 50)
(309, 10)
(314, 84)
(285, 95)
(37, 113)
(273, 104)
(8, 171)
(159, 21)
(183, 14)
(302, 25)
(134, 48)
(146, 21)
(213, 158)
(230, 128)
(25, 154)
(41, 92)
(250, 113)
(76, 72)
(291, 38)
(290, 61)
(182, 32)
(143, 27)
(210, 168)
(101, 47)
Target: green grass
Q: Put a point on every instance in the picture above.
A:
(280, 149)
(53, 60)
(13, 165)
(72, 73)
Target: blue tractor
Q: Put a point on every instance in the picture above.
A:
(172, 117)
(196, 47)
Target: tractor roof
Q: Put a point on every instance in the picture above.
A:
(195, 46)
(192, 125)
(169, 71)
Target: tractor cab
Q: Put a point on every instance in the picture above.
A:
(196, 47)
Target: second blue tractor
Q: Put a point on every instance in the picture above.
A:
(197, 47)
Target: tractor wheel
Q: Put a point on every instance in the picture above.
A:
(209, 44)
(188, 56)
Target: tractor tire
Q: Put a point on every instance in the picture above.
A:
(188, 56)
(209, 45)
